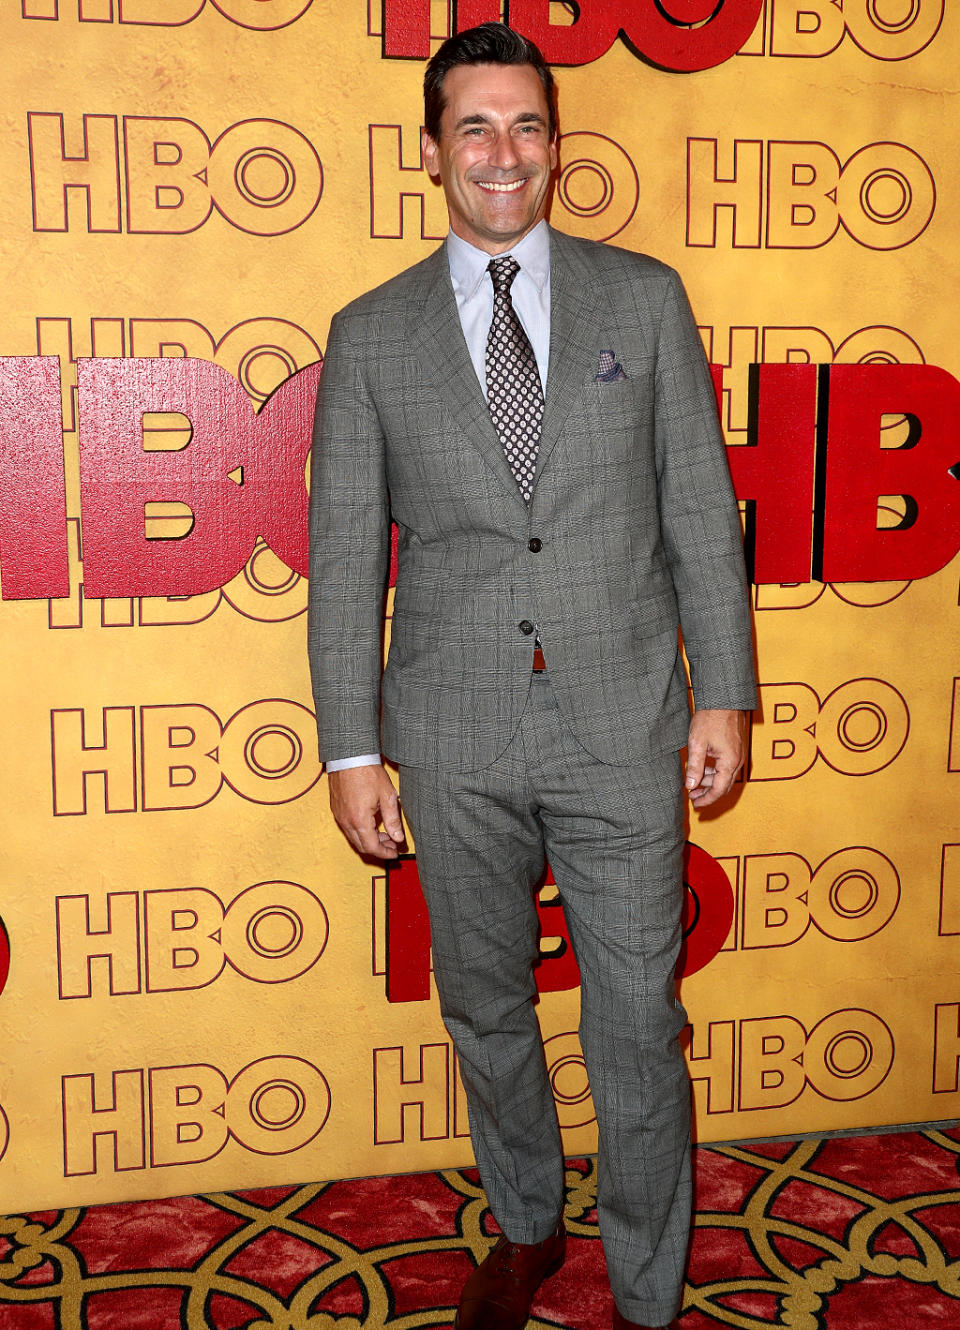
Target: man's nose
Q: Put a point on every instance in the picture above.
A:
(504, 152)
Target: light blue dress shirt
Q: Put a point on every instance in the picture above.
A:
(473, 290)
(530, 294)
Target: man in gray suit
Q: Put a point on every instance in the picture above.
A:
(536, 415)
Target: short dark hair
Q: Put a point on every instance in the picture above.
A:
(488, 44)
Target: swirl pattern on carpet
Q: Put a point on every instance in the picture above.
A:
(853, 1232)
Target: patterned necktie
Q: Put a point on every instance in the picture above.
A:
(514, 391)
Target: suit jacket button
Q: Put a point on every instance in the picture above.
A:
(526, 627)
(535, 545)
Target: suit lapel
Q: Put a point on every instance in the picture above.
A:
(574, 338)
(438, 340)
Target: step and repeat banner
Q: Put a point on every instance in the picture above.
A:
(201, 986)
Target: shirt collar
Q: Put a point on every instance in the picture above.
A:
(468, 265)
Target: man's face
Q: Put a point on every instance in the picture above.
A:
(495, 154)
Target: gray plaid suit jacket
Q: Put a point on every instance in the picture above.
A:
(632, 506)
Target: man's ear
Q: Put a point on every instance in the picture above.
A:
(428, 152)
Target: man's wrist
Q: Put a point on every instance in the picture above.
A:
(343, 763)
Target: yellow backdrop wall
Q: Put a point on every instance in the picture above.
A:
(200, 971)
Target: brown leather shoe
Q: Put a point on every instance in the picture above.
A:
(498, 1294)
(621, 1323)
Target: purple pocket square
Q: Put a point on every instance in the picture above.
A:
(609, 370)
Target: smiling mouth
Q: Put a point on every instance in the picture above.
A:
(497, 188)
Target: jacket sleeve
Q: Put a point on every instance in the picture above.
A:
(700, 525)
(349, 554)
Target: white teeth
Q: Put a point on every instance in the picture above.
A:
(501, 189)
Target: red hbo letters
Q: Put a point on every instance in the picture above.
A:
(850, 475)
(707, 917)
(676, 34)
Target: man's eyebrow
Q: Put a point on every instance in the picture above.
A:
(525, 118)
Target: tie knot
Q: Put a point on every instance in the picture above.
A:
(502, 272)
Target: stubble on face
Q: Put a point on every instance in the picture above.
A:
(495, 156)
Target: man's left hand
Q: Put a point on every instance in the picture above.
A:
(715, 751)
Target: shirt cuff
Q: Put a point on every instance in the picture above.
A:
(364, 760)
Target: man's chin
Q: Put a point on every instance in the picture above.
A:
(503, 230)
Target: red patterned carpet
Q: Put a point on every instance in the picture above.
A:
(846, 1234)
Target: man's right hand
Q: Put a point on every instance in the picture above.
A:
(361, 798)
